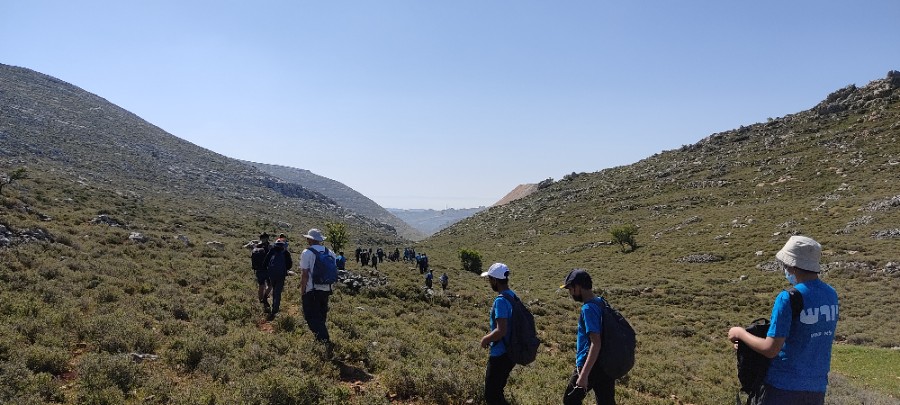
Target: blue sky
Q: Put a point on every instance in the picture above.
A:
(451, 104)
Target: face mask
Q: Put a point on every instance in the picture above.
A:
(790, 278)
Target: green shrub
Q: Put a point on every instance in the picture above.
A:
(40, 359)
(470, 260)
(99, 372)
(624, 236)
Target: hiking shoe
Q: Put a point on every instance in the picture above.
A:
(266, 307)
(271, 317)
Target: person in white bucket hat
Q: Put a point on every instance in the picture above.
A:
(315, 296)
(800, 348)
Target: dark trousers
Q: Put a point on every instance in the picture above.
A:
(315, 311)
(604, 388)
(495, 378)
(277, 288)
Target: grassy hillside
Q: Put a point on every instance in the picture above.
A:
(93, 314)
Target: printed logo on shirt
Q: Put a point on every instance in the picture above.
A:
(811, 316)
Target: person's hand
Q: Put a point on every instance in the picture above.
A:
(582, 381)
(734, 335)
(485, 343)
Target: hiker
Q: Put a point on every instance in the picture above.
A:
(380, 254)
(341, 261)
(278, 262)
(315, 296)
(429, 277)
(364, 258)
(800, 349)
(358, 250)
(499, 364)
(258, 262)
(444, 280)
(283, 238)
(588, 374)
(424, 263)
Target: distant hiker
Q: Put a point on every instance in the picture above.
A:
(373, 258)
(396, 255)
(258, 263)
(444, 280)
(423, 263)
(800, 348)
(380, 254)
(358, 250)
(315, 294)
(499, 364)
(429, 277)
(588, 374)
(364, 258)
(278, 262)
(283, 238)
(341, 261)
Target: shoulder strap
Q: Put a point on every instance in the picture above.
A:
(796, 301)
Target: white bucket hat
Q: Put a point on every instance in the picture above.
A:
(801, 252)
(497, 270)
(315, 235)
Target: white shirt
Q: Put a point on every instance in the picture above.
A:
(307, 262)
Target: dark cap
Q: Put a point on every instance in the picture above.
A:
(264, 235)
(578, 277)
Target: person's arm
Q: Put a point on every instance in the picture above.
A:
(498, 333)
(593, 355)
(768, 346)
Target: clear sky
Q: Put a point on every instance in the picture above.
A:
(451, 104)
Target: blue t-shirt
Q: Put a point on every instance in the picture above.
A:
(590, 321)
(340, 262)
(804, 360)
(502, 309)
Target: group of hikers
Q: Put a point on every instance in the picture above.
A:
(796, 346)
(318, 272)
(797, 341)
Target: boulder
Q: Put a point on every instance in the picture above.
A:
(137, 237)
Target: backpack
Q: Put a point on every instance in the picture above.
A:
(258, 259)
(522, 343)
(752, 367)
(278, 263)
(618, 342)
(324, 271)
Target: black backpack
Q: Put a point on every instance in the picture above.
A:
(522, 344)
(324, 271)
(618, 342)
(752, 367)
(258, 259)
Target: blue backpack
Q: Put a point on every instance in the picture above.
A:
(325, 269)
(278, 263)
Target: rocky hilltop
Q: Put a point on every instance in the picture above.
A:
(430, 221)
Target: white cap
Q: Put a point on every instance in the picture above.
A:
(315, 235)
(497, 270)
(801, 252)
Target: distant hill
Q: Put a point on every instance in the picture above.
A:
(521, 191)
(342, 195)
(429, 221)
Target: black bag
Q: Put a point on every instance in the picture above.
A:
(618, 342)
(522, 345)
(752, 367)
(258, 259)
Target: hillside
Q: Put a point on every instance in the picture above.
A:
(711, 216)
(123, 279)
(342, 195)
(429, 221)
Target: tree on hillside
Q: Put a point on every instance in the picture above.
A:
(471, 260)
(8, 178)
(624, 236)
(336, 233)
